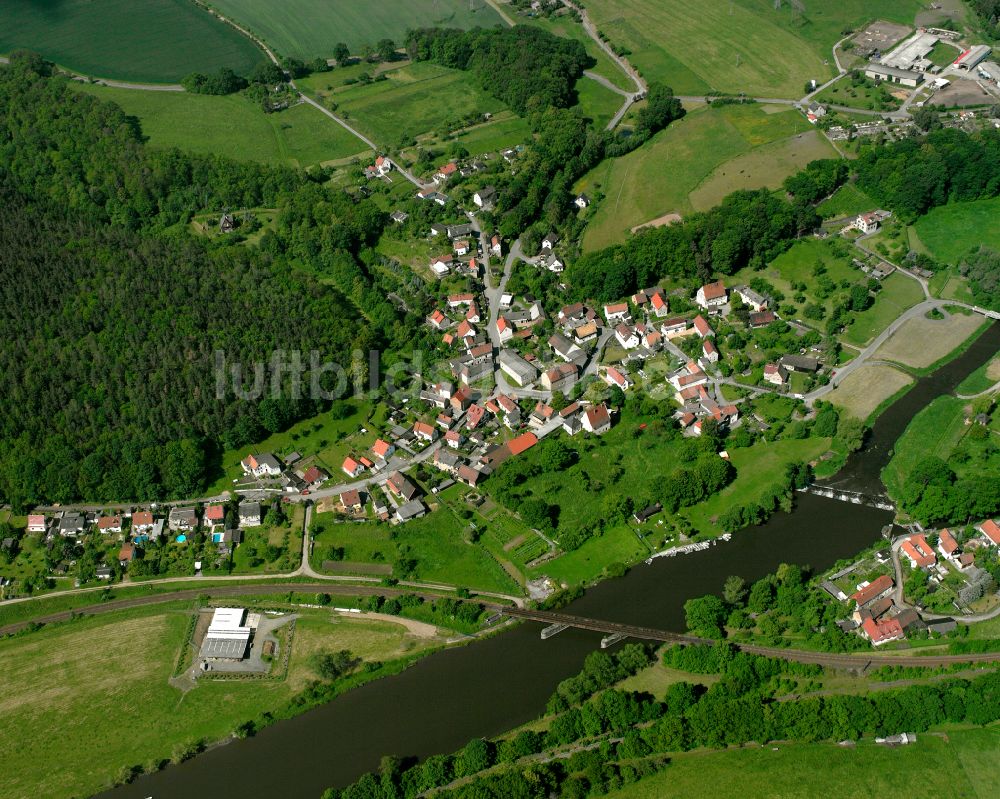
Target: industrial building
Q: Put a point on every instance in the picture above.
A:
(912, 52)
(228, 636)
(972, 57)
(903, 77)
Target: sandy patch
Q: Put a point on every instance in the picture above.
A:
(864, 390)
(660, 221)
(921, 342)
(418, 628)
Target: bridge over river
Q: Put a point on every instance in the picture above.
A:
(862, 662)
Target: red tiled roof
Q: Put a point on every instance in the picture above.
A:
(873, 589)
(522, 442)
(351, 498)
(991, 530)
(919, 551)
(948, 543)
(703, 327)
(312, 475)
(598, 416)
(879, 631)
(350, 465)
(215, 513)
(381, 448)
(713, 291)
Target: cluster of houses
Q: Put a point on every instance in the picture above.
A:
(290, 472)
(876, 616)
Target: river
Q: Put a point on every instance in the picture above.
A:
(491, 686)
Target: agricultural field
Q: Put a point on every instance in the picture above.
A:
(758, 468)
(111, 672)
(597, 102)
(662, 176)
(310, 28)
(949, 231)
(983, 378)
(862, 391)
(233, 126)
(922, 342)
(934, 432)
(962, 762)
(898, 293)
(155, 41)
(413, 101)
(739, 45)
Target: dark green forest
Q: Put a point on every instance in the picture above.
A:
(111, 312)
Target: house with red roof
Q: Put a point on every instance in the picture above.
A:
(775, 374)
(351, 467)
(142, 522)
(712, 295)
(468, 475)
(437, 319)
(652, 339)
(991, 532)
(615, 378)
(214, 514)
(454, 439)
(505, 329)
(876, 589)
(472, 315)
(126, 554)
(703, 328)
(615, 312)
(424, 431)
(445, 172)
(709, 350)
(522, 443)
(882, 631)
(659, 304)
(383, 449)
(455, 300)
(761, 319)
(672, 327)
(36, 523)
(918, 552)
(474, 416)
(350, 500)
(314, 476)
(596, 419)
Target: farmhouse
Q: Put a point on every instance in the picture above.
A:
(775, 374)
(615, 312)
(761, 319)
(561, 377)
(711, 295)
(876, 589)
(413, 509)
(754, 301)
(565, 348)
(799, 363)
(517, 368)
(227, 637)
(585, 333)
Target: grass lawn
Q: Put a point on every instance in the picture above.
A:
(865, 389)
(233, 126)
(922, 342)
(660, 177)
(950, 231)
(436, 541)
(962, 763)
(310, 28)
(155, 41)
(597, 102)
(414, 100)
(898, 293)
(848, 200)
(983, 378)
(99, 687)
(758, 468)
(935, 431)
(505, 129)
(617, 545)
(324, 439)
(948, 284)
(867, 95)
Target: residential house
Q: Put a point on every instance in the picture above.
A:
(552, 262)
(126, 554)
(576, 312)
(570, 416)
(918, 552)
(550, 241)
(496, 246)
(712, 295)
(442, 265)
(474, 416)
(505, 330)
(109, 524)
(424, 431)
(399, 217)
(672, 327)
(438, 320)
(753, 300)
(351, 467)
(468, 475)
(485, 197)
(37, 523)
(867, 223)
(627, 336)
(182, 519)
(445, 172)
(775, 374)
(506, 298)
(596, 419)
(444, 421)
(456, 300)
(314, 476)
(561, 377)
(616, 312)
(703, 328)
(382, 449)
(142, 522)
(399, 485)
(882, 631)
(351, 502)
(565, 348)
(799, 363)
(613, 377)
(659, 305)
(541, 414)
(651, 340)
(472, 315)
(72, 524)
(710, 353)
(459, 231)
(263, 465)
(461, 399)
(250, 514)
(585, 333)
(461, 247)
(447, 461)
(876, 589)
(215, 514)
(581, 201)
(454, 439)
(991, 532)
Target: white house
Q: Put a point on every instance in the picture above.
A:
(485, 196)
(615, 378)
(582, 201)
(505, 330)
(867, 223)
(441, 266)
(596, 419)
(351, 467)
(550, 241)
(627, 337)
(264, 465)
(711, 295)
(615, 312)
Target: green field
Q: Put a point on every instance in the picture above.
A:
(898, 293)
(983, 378)
(736, 45)
(233, 126)
(414, 100)
(845, 201)
(153, 41)
(960, 763)
(597, 102)
(688, 166)
(950, 231)
(867, 95)
(758, 469)
(935, 431)
(310, 28)
(93, 696)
